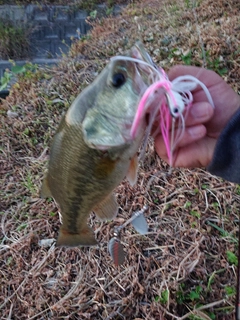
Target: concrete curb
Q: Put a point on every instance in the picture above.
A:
(54, 29)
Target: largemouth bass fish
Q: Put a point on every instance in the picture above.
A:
(92, 150)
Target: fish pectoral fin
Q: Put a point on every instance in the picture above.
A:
(45, 191)
(84, 238)
(107, 209)
(132, 170)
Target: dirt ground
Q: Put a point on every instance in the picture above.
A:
(185, 267)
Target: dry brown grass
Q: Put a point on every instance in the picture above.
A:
(193, 216)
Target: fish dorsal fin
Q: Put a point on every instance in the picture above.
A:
(132, 170)
(85, 237)
(107, 209)
(45, 191)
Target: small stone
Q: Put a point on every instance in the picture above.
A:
(46, 242)
(12, 114)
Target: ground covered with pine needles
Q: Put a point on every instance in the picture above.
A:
(185, 267)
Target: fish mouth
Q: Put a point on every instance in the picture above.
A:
(145, 69)
(139, 53)
(102, 138)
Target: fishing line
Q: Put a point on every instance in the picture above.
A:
(125, 58)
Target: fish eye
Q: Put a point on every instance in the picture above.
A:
(118, 80)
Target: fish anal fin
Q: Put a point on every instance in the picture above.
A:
(45, 191)
(107, 209)
(84, 238)
(132, 170)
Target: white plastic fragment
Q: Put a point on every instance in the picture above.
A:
(46, 242)
(12, 114)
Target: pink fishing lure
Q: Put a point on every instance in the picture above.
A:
(172, 100)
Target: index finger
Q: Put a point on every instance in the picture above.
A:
(208, 77)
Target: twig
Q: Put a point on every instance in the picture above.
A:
(189, 254)
(67, 296)
(192, 312)
(35, 268)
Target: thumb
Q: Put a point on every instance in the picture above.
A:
(208, 77)
(180, 70)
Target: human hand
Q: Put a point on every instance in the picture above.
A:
(204, 123)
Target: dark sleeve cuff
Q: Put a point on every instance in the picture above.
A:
(226, 158)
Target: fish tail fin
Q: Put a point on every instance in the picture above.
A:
(84, 238)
